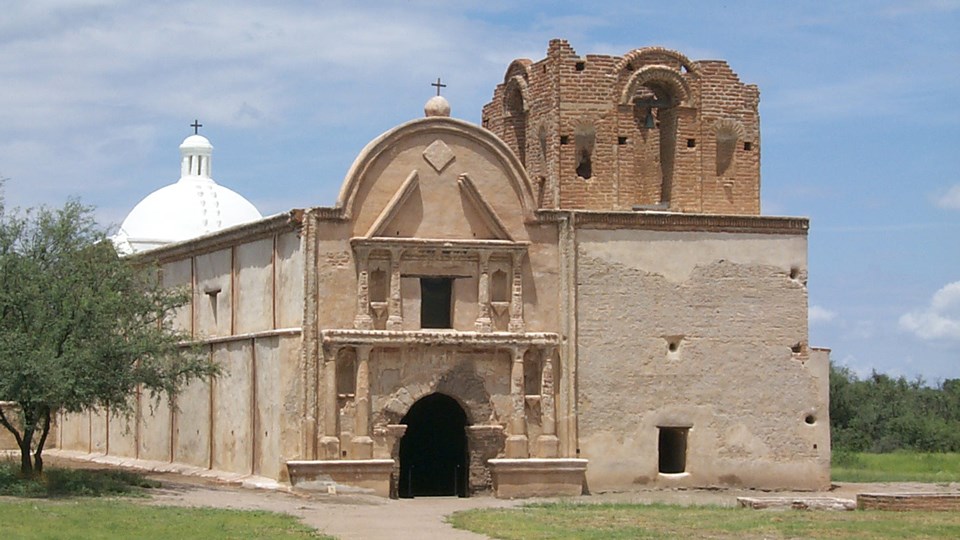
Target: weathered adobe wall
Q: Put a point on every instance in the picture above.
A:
(246, 308)
(541, 108)
(734, 307)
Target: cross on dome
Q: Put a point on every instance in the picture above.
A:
(439, 85)
(196, 125)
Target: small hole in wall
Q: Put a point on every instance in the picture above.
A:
(747, 146)
(673, 343)
(814, 446)
(691, 143)
(343, 453)
(794, 272)
(621, 140)
(810, 420)
(564, 139)
(797, 349)
(580, 66)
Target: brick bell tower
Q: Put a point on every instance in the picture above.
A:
(649, 130)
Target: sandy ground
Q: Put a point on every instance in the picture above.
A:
(369, 517)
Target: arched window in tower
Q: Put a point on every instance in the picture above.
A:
(654, 109)
(584, 138)
(515, 119)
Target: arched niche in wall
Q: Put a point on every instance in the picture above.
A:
(515, 114)
(584, 138)
(656, 92)
(729, 132)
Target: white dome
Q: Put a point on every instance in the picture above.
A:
(192, 207)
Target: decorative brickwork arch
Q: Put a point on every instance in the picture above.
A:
(638, 57)
(515, 96)
(659, 76)
(515, 106)
(518, 68)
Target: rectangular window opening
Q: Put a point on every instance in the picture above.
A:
(436, 302)
(621, 140)
(672, 449)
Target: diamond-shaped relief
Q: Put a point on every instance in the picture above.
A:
(438, 155)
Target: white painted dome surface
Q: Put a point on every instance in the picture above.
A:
(193, 206)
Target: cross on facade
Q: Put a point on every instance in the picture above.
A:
(196, 125)
(438, 85)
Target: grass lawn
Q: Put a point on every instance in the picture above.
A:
(110, 518)
(613, 521)
(895, 467)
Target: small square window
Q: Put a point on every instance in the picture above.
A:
(691, 143)
(564, 139)
(580, 66)
(621, 140)
(436, 302)
(747, 146)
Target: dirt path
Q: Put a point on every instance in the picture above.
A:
(368, 517)
(343, 516)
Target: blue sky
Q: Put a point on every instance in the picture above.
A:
(860, 118)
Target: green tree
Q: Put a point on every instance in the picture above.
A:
(80, 327)
(883, 414)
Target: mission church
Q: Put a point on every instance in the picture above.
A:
(581, 294)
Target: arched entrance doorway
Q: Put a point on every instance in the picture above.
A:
(433, 450)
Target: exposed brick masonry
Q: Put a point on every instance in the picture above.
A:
(566, 110)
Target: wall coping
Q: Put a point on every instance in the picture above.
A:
(680, 222)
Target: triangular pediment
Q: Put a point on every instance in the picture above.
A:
(468, 214)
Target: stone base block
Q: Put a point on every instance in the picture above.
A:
(517, 447)
(797, 503)
(343, 476)
(537, 477)
(903, 502)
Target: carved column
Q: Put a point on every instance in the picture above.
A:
(330, 441)
(548, 445)
(363, 320)
(362, 443)
(484, 322)
(395, 307)
(517, 443)
(516, 296)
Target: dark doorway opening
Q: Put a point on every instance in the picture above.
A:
(672, 448)
(435, 302)
(433, 450)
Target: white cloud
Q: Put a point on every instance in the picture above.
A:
(949, 200)
(940, 320)
(818, 314)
